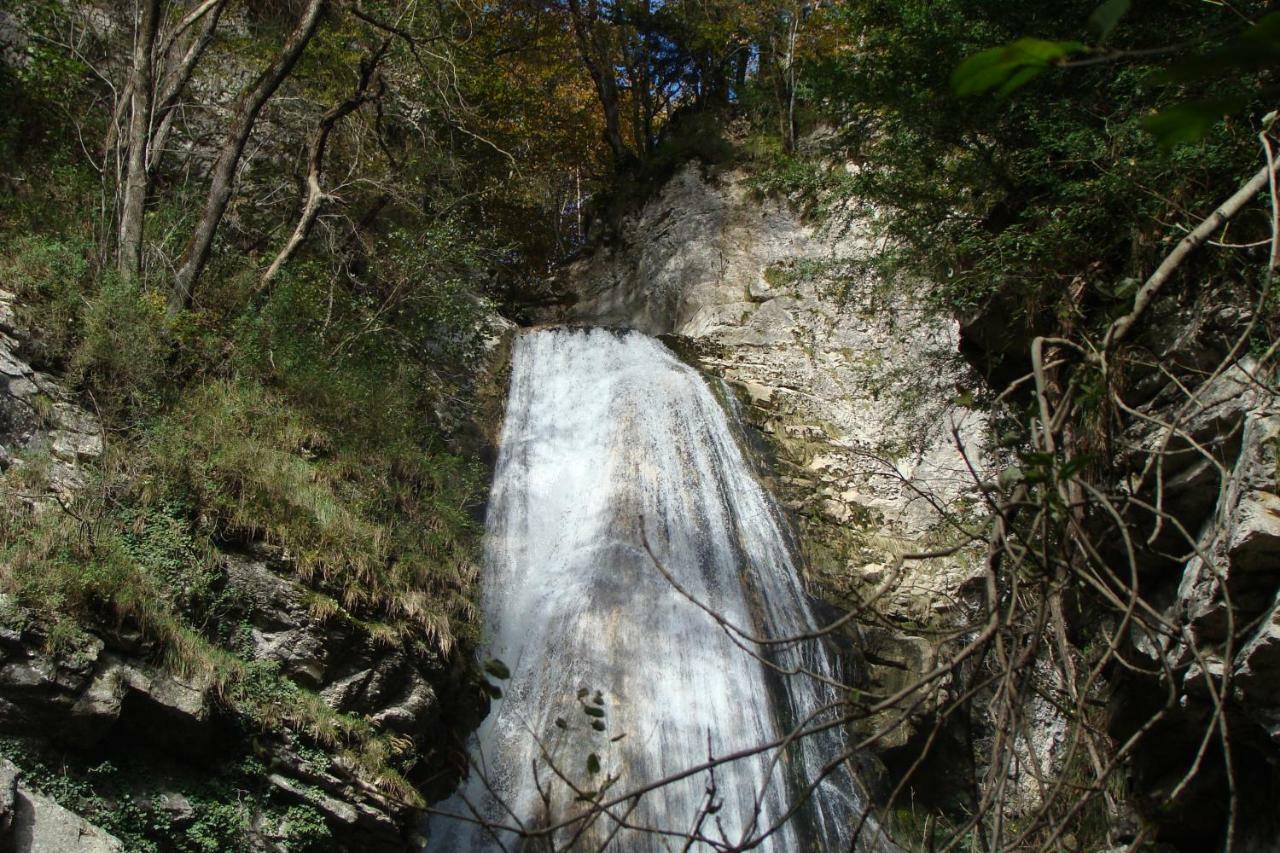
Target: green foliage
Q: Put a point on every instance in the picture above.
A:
(230, 807)
(1007, 69)
(1024, 197)
(219, 826)
(696, 136)
(48, 276)
(1239, 58)
(1189, 122)
(1106, 18)
(377, 520)
(305, 831)
(86, 568)
(122, 353)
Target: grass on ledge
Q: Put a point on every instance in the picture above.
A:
(63, 575)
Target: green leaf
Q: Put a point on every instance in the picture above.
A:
(1074, 466)
(1104, 19)
(1190, 121)
(1019, 79)
(1265, 33)
(592, 712)
(598, 725)
(1010, 67)
(1010, 476)
(497, 669)
(561, 724)
(593, 764)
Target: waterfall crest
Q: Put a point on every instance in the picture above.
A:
(617, 678)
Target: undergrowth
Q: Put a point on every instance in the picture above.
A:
(311, 418)
(228, 810)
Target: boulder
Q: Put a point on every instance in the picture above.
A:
(32, 823)
(8, 796)
(42, 826)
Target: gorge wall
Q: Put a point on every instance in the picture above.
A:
(859, 395)
(878, 448)
(113, 697)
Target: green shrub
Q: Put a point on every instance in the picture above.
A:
(50, 278)
(305, 831)
(121, 357)
(232, 806)
(218, 826)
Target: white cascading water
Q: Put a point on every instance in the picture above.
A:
(607, 431)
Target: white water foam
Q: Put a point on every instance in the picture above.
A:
(605, 432)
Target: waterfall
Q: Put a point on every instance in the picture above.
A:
(618, 676)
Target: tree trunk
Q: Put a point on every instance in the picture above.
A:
(222, 182)
(315, 158)
(600, 67)
(133, 207)
(176, 81)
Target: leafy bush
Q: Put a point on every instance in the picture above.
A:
(305, 831)
(121, 356)
(50, 277)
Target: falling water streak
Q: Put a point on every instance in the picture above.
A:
(606, 431)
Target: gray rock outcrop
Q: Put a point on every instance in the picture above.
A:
(861, 392)
(868, 409)
(864, 403)
(38, 414)
(30, 822)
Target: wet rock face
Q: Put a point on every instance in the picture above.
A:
(855, 388)
(861, 398)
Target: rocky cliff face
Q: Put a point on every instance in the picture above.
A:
(1195, 469)
(859, 392)
(861, 397)
(111, 693)
(865, 401)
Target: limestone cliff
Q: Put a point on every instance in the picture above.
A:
(878, 415)
(859, 393)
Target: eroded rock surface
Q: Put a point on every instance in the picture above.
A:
(37, 414)
(862, 398)
(32, 823)
(859, 391)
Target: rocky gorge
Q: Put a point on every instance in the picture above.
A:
(873, 437)
(702, 425)
(866, 404)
